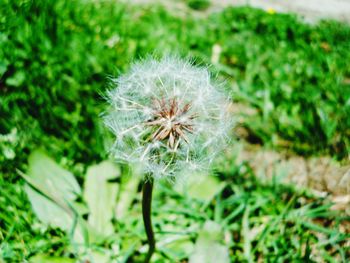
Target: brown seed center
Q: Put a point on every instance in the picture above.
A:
(172, 122)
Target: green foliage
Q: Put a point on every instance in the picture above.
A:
(53, 193)
(244, 220)
(295, 75)
(20, 234)
(55, 59)
(198, 4)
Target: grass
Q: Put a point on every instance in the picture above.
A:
(56, 57)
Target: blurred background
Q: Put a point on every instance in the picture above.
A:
(287, 66)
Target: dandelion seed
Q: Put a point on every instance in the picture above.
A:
(168, 116)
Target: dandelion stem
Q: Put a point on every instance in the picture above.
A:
(146, 213)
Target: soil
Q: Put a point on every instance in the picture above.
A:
(322, 175)
(310, 10)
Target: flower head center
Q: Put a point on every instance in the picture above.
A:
(171, 122)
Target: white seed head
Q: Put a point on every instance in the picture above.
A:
(168, 117)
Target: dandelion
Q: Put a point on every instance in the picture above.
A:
(169, 118)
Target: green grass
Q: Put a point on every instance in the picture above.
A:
(55, 59)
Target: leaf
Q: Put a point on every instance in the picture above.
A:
(17, 79)
(247, 236)
(51, 191)
(201, 187)
(177, 249)
(100, 194)
(47, 211)
(98, 257)
(41, 258)
(208, 248)
(54, 181)
(127, 194)
(51, 214)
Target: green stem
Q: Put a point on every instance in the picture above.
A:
(146, 213)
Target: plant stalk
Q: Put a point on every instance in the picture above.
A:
(146, 213)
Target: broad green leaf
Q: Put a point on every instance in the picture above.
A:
(17, 79)
(177, 249)
(51, 191)
(49, 212)
(127, 194)
(52, 214)
(98, 257)
(208, 248)
(41, 258)
(201, 187)
(51, 179)
(100, 193)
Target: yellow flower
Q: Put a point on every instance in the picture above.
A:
(271, 11)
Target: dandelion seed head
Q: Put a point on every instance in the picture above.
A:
(167, 117)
